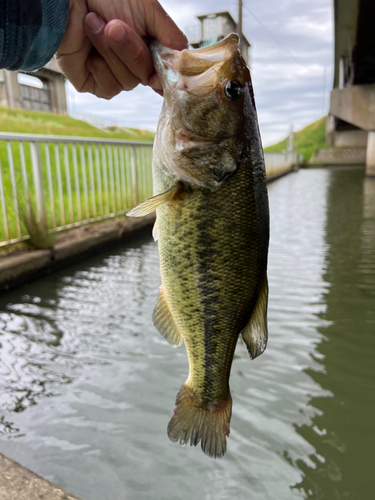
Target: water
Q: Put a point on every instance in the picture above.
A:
(87, 386)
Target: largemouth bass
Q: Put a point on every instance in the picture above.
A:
(212, 228)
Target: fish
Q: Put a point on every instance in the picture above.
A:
(212, 228)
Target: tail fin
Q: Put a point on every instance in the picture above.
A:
(194, 422)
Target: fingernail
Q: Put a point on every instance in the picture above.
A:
(116, 33)
(94, 22)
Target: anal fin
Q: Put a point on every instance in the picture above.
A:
(164, 323)
(151, 204)
(255, 334)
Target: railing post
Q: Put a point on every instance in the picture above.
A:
(38, 183)
(134, 175)
(14, 187)
(4, 206)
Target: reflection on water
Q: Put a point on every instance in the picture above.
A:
(343, 430)
(87, 386)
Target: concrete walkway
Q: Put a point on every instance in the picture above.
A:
(19, 483)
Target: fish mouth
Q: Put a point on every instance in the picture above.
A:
(195, 69)
(164, 60)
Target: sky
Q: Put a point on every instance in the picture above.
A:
(291, 63)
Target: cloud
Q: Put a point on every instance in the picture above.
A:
(139, 108)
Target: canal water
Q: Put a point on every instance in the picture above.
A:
(87, 386)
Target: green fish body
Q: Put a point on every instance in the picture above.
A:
(212, 229)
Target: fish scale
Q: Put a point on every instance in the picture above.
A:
(233, 278)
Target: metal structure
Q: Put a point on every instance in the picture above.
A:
(66, 182)
(214, 27)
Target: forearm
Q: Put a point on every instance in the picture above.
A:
(30, 32)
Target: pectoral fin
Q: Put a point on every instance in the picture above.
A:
(255, 333)
(151, 204)
(164, 323)
(155, 233)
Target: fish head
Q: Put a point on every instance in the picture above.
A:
(208, 100)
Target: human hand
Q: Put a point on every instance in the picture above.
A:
(104, 49)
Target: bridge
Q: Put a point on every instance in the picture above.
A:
(351, 119)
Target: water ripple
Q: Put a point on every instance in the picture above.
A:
(87, 385)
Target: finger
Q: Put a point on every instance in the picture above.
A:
(94, 28)
(74, 47)
(130, 49)
(161, 27)
(74, 65)
(101, 81)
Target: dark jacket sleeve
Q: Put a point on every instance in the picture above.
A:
(30, 32)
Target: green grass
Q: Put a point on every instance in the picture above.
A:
(108, 195)
(307, 141)
(33, 122)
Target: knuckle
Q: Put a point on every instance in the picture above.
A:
(131, 86)
(129, 81)
(138, 57)
(110, 88)
(95, 65)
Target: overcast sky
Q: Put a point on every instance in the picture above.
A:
(290, 60)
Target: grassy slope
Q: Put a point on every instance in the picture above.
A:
(307, 141)
(20, 121)
(33, 122)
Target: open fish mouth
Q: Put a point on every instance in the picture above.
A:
(196, 70)
(164, 60)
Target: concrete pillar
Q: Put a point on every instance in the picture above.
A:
(13, 89)
(58, 94)
(370, 155)
(330, 130)
(3, 95)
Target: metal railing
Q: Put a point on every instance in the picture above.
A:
(66, 182)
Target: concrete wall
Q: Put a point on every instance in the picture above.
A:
(278, 164)
(51, 75)
(370, 155)
(350, 138)
(355, 105)
(58, 95)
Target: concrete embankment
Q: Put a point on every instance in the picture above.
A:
(19, 267)
(19, 483)
(273, 176)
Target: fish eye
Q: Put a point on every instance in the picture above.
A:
(232, 90)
